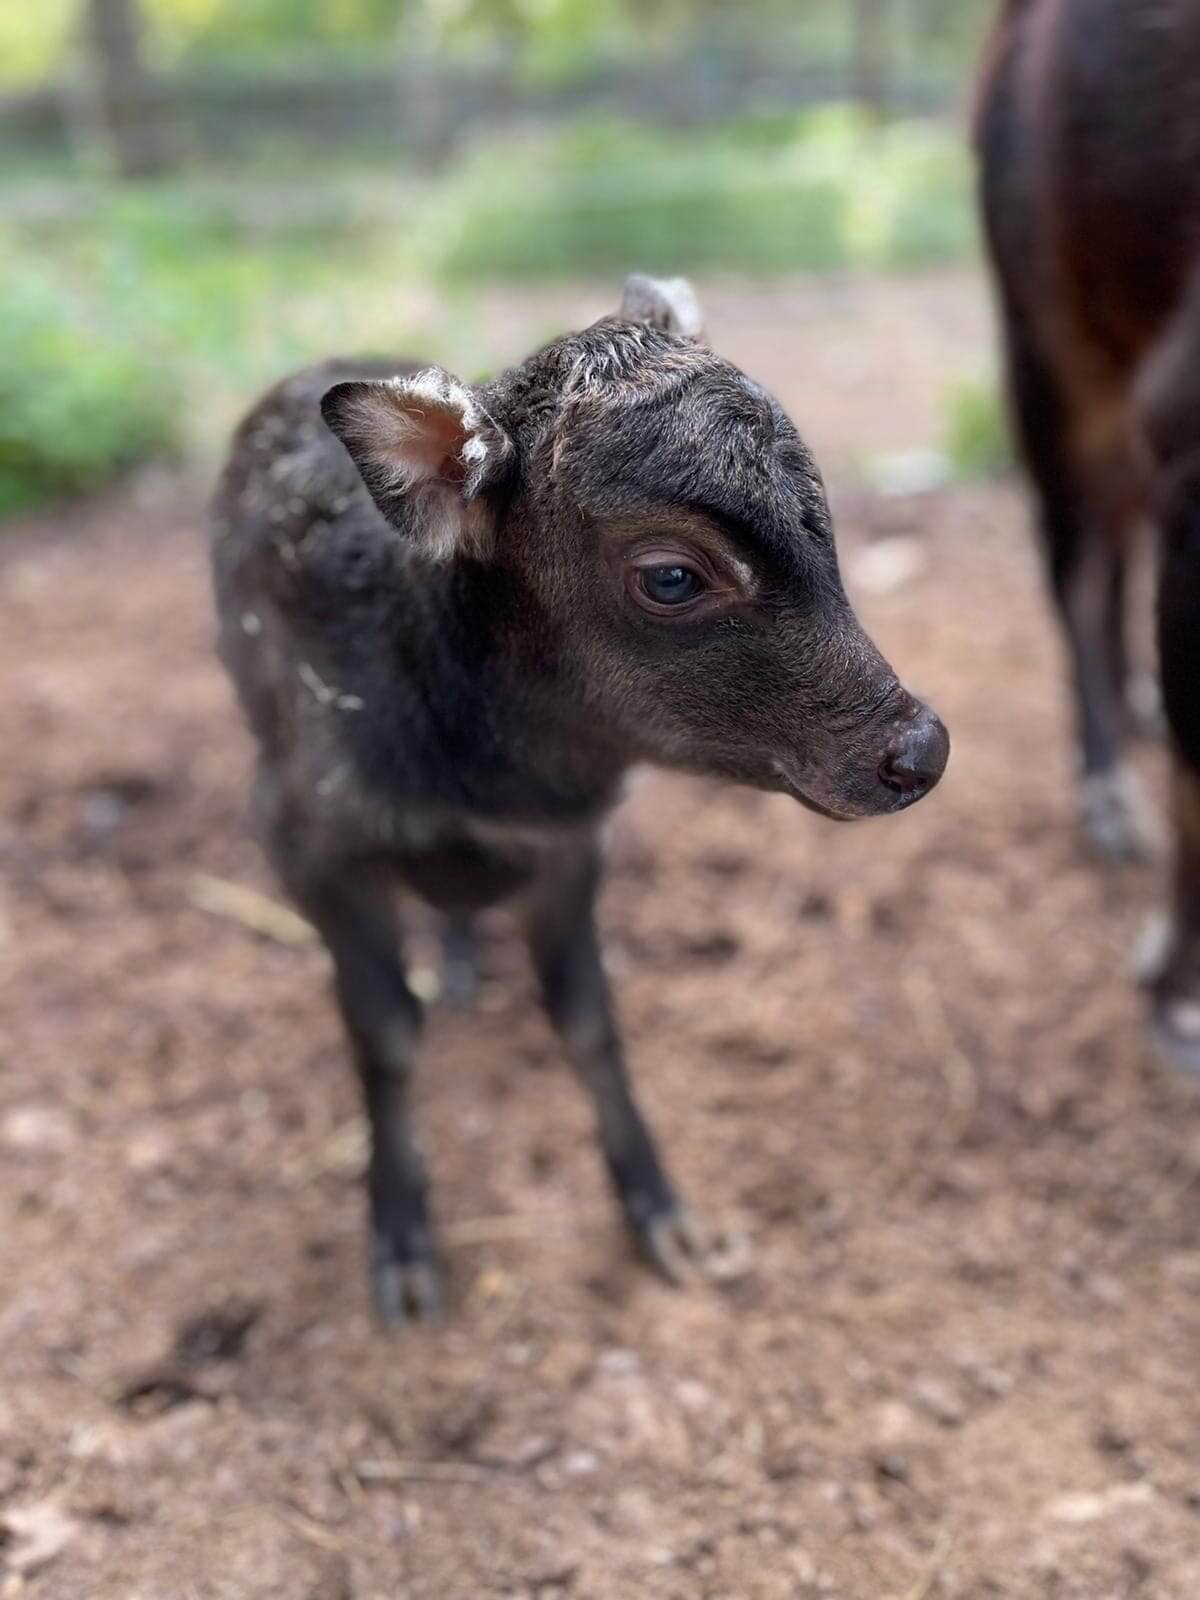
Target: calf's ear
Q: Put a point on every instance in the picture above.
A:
(666, 303)
(426, 450)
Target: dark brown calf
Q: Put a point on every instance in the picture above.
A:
(457, 616)
(1089, 136)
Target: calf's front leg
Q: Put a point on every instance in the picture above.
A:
(561, 929)
(356, 918)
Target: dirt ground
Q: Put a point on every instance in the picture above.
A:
(903, 1059)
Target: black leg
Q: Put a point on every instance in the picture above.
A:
(1084, 573)
(356, 919)
(1169, 395)
(1134, 683)
(460, 960)
(1086, 561)
(1116, 626)
(562, 936)
(1177, 987)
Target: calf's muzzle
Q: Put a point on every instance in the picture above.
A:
(915, 757)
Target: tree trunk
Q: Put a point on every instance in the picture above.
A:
(870, 52)
(123, 107)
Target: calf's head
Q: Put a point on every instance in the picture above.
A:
(667, 535)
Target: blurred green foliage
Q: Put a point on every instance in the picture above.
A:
(141, 330)
(81, 396)
(141, 316)
(811, 192)
(546, 37)
(33, 39)
(978, 438)
(140, 309)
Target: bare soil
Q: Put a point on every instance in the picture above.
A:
(904, 1059)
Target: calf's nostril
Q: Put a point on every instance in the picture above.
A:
(916, 757)
(896, 772)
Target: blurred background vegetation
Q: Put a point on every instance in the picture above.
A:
(196, 194)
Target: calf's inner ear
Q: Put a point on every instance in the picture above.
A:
(425, 449)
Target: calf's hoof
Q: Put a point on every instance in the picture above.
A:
(1119, 821)
(405, 1292)
(683, 1251)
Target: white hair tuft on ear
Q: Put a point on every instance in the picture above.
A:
(666, 303)
(425, 448)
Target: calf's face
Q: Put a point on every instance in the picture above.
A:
(670, 536)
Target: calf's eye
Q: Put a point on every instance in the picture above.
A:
(667, 586)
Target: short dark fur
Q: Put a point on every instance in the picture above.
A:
(1089, 138)
(447, 695)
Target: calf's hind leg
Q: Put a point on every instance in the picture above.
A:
(561, 929)
(460, 960)
(353, 910)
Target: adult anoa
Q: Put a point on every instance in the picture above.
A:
(1088, 133)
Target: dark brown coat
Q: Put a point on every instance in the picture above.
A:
(1088, 131)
